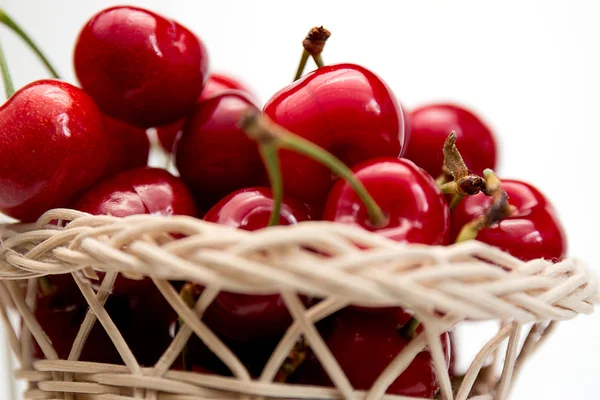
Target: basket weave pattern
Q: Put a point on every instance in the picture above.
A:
(341, 264)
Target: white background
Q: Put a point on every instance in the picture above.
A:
(531, 68)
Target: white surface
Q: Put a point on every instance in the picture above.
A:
(530, 67)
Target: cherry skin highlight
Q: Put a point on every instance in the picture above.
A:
(52, 148)
(245, 317)
(216, 84)
(416, 210)
(431, 125)
(532, 231)
(344, 108)
(214, 156)
(140, 67)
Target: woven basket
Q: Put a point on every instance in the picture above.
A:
(465, 281)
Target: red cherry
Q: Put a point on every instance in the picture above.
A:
(365, 344)
(248, 317)
(416, 210)
(431, 125)
(343, 108)
(139, 191)
(216, 84)
(140, 67)
(129, 145)
(532, 231)
(52, 148)
(214, 156)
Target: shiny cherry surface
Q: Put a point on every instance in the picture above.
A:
(248, 317)
(415, 208)
(344, 108)
(431, 125)
(130, 146)
(364, 344)
(532, 231)
(52, 148)
(214, 156)
(216, 84)
(140, 67)
(139, 191)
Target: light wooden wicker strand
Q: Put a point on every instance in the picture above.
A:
(339, 263)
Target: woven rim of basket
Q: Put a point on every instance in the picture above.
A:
(339, 263)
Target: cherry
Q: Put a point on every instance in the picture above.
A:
(532, 231)
(139, 191)
(343, 108)
(214, 156)
(129, 144)
(140, 67)
(249, 317)
(216, 84)
(431, 125)
(60, 312)
(364, 344)
(52, 148)
(415, 209)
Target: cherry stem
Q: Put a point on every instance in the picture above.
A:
(270, 158)
(9, 88)
(409, 329)
(187, 294)
(313, 44)
(265, 131)
(499, 210)
(10, 23)
(294, 359)
(45, 285)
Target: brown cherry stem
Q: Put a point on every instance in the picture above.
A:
(189, 293)
(313, 44)
(408, 330)
(499, 210)
(294, 359)
(270, 156)
(10, 23)
(265, 131)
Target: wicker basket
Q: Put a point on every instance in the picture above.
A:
(465, 281)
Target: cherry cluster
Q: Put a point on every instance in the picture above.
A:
(336, 141)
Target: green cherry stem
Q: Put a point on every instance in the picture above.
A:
(10, 23)
(270, 156)
(265, 131)
(408, 330)
(313, 44)
(9, 89)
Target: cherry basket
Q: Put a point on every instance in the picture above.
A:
(338, 263)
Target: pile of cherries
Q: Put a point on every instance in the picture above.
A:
(86, 147)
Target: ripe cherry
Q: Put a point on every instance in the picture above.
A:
(216, 84)
(364, 344)
(532, 231)
(214, 156)
(431, 125)
(52, 148)
(140, 67)
(249, 317)
(142, 191)
(343, 108)
(130, 146)
(415, 209)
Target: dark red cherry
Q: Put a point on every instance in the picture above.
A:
(364, 344)
(343, 108)
(248, 317)
(216, 84)
(140, 67)
(431, 125)
(532, 231)
(139, 191)
(52, 148)
(214, 156)
(130, 146)
(415, 208)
